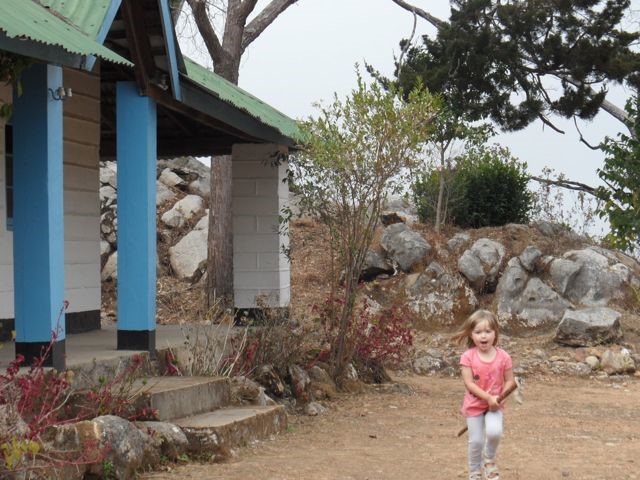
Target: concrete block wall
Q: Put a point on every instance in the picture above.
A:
(259, 195)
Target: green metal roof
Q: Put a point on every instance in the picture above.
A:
(241, 99)
(28, 19)
(87, 15)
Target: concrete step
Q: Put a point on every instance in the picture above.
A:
(216, 433)
(179, 397)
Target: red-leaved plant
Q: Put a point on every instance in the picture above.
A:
(35, 398)
(375, 339)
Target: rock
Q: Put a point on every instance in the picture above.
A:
(389, 218)
(163, 194)
(130, 449)
(245, 391)
(183, 210)
(549, 229)
(481, 264)
(169, 178)
(428, 364)
(438, 296)
(108, 195)
(593, 362)
(590, 326)
(300, 382)
(458, 240)
(617, 361)
(110, 269)
(529, 257)
(270, 380)
(404, 246)
(585, 277)
(322, 385)
(314, 409)
(167, 438)
(203, 223)
(200, 187)
(188, 257)
(108, 174)
(526, 303)
(374, 265)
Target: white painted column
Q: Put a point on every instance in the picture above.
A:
(259, 195)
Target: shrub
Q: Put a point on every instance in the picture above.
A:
(489, 188)
(374, 339)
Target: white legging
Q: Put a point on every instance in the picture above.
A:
(485, 432)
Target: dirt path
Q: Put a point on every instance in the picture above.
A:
(567, 428)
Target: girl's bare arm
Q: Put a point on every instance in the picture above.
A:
(509, 380)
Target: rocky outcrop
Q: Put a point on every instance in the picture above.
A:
(404, 246)
(481, 264)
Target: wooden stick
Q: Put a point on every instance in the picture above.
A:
(501, 398)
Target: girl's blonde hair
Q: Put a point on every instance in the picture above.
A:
(464, 334)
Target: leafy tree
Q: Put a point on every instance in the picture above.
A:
(621, 174)
(355, 154)
(493, 58)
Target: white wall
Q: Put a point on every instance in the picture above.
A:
(81, 202)
(259, 194)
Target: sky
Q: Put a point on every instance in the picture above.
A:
(311, 50)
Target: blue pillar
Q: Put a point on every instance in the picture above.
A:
(136, 157)
(38, 216)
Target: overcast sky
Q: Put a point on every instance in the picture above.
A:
(309, 53)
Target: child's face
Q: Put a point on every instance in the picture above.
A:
(483, 336)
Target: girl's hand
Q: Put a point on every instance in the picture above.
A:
(494, 405)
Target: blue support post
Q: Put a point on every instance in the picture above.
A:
(136, 157)
(38, 216)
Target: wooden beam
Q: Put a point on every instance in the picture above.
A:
(167, 101)
(138, 41)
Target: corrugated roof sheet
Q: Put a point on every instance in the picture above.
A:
(28, 19)
(241, 99)
(87, 15)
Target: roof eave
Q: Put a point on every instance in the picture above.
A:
(43, 52)
(198, 97)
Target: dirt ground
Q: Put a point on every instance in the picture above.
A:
(566, 428)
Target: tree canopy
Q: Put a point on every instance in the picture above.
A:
(493, 59)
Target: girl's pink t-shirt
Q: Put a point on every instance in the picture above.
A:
(489, 376)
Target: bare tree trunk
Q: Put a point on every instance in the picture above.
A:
(226, 52)
(220, 237)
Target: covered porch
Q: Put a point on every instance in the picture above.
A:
(148, 102)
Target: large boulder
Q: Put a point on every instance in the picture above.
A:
(586, 277)
(374, 265)
(481, 264)
(439, 297)
(183, 210)
(189, 256)
(404, 246)
(525, 302)
(589, 326)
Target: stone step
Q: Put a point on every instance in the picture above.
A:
(217, 433)
(179, 397)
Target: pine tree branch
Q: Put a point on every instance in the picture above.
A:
(613, 110)
(568, 184)
(436, 22)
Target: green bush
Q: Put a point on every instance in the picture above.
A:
(487, 187)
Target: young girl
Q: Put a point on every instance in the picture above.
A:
(487, 371)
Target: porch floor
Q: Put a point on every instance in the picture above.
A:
(99, 345)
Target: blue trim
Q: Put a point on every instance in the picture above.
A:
(38, 206)
(104, 29)
(170, 45)
(136, 157)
